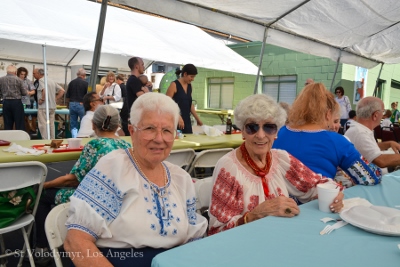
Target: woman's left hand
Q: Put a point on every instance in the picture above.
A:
(337, 203)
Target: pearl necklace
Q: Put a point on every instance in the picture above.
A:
(153, 186)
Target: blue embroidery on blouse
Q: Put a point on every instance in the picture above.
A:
(80, 227)
(101, 194)
(153, 226)
(191, 210)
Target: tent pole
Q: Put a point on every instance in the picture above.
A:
(97, 46)
(336, 68)
(46, 94)
(261, 60)
(377, 79)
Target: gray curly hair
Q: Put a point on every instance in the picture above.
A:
(259, 107)
(106, 118)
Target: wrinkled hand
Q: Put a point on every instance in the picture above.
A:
(395, 146)
(181, 124)
(278, 206)
(337, 203)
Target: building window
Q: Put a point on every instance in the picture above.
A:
(220, 93)
(281, 88)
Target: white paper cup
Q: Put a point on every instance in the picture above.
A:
(74, 143)
(326, 194)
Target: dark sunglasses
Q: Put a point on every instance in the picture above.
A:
(269, 128)
(337, 92)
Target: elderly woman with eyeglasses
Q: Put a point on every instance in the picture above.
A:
(255, 181)
(133, 202)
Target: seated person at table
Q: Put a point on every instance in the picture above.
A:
(255, 181)
(105, 123)
(369, 114)
(307, 137)
(147, 205)
(90, 102)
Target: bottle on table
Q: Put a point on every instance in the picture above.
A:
(228, 125)
(34, 105)
(74, 133)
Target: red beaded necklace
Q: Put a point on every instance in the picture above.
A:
(261, 172)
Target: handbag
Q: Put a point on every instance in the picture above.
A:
(15, 203)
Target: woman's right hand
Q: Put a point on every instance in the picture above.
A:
(280, 206)
(181, 124)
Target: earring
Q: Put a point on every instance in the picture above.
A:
(243, 138)
(276, 137)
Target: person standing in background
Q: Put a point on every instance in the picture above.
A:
(134, 87)
(395, 113)
(77, 89)
(344, 103)
(55, 92)
(124, 113)
(12, 89)
(180, 91)
(308, 81)
(22, 73)
(111, 91)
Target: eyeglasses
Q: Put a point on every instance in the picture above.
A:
(150, 133)
(269, 128)
(100, 100)
(337, 92)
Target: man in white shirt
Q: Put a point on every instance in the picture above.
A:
(369, 114)
(90, 102)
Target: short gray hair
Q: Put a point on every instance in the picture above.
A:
(81, 72)
(259, 107)
(106, 118)
(41, 71)
(367, 106)
(154, 102)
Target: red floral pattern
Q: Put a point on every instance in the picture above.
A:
(254, 201)
(227, 197)
(301, 176)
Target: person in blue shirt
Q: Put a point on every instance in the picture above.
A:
(307, 137)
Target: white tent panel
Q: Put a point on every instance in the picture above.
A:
(366, 31)
(68, 26)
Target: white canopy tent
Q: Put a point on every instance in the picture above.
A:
(359, 32)
(68, 28)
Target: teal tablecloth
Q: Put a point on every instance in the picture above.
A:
(283, 242)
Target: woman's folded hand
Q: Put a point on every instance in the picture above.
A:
(280, 206)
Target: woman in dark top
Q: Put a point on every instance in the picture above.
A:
(180, 91)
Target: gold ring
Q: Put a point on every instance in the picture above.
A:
(288, 211)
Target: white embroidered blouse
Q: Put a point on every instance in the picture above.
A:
(117, 206)
(237, 191)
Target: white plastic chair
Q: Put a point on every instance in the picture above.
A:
(56, 231)
(203, 189)
(206, 159)
(17, 175)
(14, 135)
(182, 157)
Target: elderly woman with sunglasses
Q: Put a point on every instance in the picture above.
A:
(133, 202)
(255, 181)
(308, 137)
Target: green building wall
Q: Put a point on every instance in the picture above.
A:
(281, 61)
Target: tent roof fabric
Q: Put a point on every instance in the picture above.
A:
(70, 27)
(364, 33)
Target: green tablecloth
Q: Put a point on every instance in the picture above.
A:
(197, 142)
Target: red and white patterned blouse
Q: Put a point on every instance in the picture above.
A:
(237, 191)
